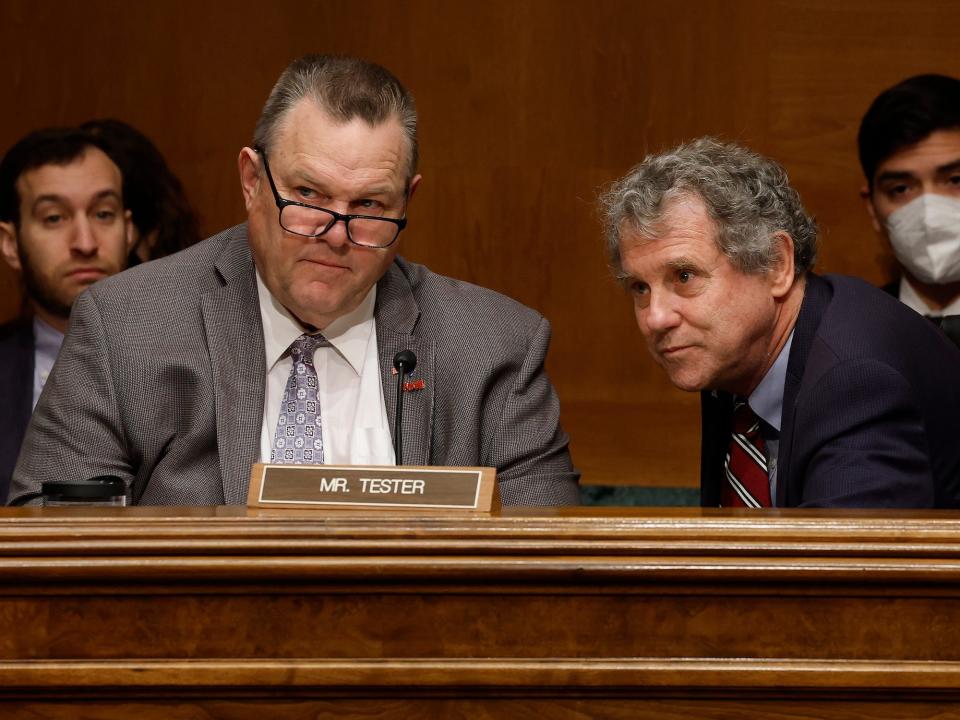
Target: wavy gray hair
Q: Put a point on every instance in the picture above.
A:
(748, 196)
(344, 87)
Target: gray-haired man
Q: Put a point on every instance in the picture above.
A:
(816, 391)
(275, 340)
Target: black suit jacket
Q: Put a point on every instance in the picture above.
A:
(870, 407)
(950, 331)
(16, 394)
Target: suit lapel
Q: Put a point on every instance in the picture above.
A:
(16, 381)
(716, 409)
(816, 298)
(397, 315)
(231, 316)
(16, 394)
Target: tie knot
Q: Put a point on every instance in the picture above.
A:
(745, 421)
(305, 345)
(950, 324)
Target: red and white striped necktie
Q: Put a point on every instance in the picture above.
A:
(746, 482)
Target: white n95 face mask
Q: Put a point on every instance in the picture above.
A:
(925, 235)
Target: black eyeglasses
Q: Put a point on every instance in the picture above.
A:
(312, 221)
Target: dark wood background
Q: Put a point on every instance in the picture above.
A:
(527, 110)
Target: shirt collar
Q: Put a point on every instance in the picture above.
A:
(46, 338)
(349, 334)
(909, 297)
(767, 399)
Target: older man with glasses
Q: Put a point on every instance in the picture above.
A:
(275, 340)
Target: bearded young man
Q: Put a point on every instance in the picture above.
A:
(63, 227)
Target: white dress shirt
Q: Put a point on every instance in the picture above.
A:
(353, 414)
(911, 298)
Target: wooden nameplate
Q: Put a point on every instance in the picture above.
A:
(330, 487)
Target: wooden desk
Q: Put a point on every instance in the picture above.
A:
(211, 613)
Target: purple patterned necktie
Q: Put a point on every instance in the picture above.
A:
(298, 439)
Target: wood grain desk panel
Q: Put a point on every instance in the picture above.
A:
(529, 613)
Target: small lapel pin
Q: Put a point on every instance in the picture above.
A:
(414, 385)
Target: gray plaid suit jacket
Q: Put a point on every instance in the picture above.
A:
(160, 381)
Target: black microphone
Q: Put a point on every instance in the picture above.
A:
(101, 490)
(404, 362)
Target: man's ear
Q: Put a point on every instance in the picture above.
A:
(412, 187)
(8, 245)
(249, 165)
(867, 198)
(782, 277)
(128, 229)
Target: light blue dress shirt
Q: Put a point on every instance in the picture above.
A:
(46, 346)
(766, 401)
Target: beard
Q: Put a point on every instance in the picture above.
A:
(41, 291)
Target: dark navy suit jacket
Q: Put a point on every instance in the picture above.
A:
(16, 394)
(871, 407)
(893, 288)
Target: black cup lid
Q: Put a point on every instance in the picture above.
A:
(97, 488)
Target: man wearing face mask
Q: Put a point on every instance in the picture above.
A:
(909, 144)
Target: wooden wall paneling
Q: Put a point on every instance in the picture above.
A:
(828, 61)
(527, 110)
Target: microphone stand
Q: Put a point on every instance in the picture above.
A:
(404, 362)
